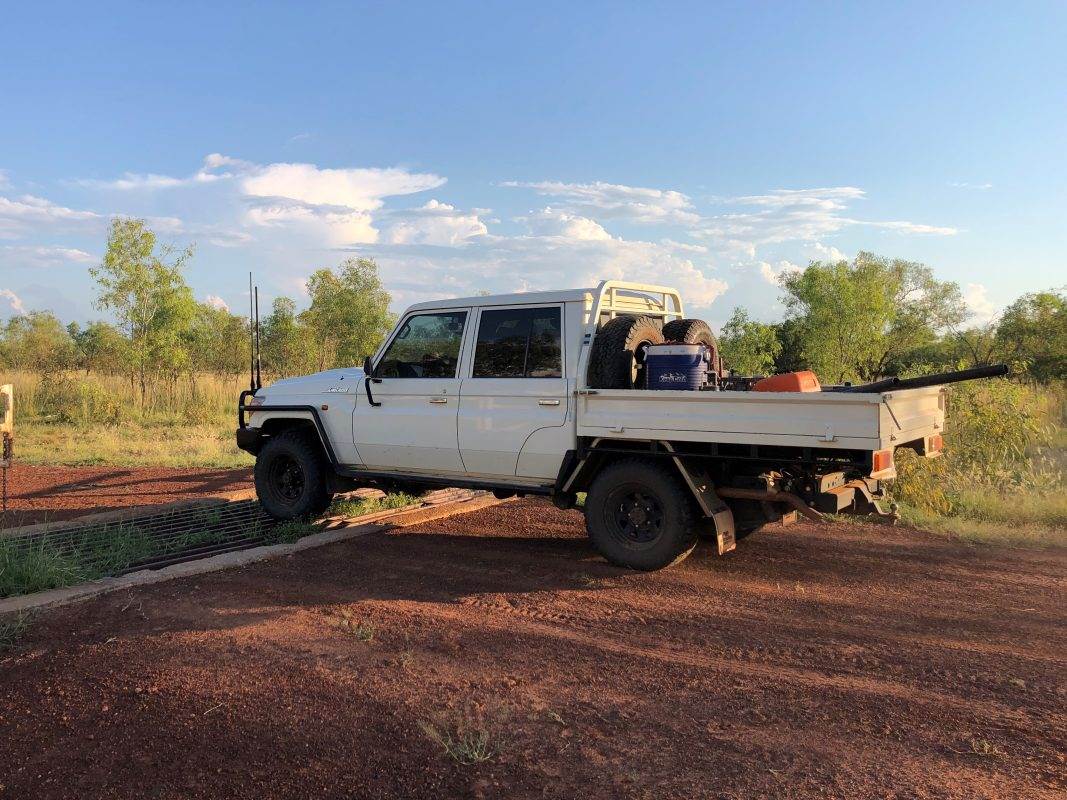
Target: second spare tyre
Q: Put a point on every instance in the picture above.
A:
(695, 331)
(618, 355)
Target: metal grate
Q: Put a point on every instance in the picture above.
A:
(151, 540)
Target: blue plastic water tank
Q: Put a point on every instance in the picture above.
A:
(676, 366)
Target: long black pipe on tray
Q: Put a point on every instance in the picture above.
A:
(937, 379)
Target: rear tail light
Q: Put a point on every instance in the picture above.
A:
(881, 461)
(935, 444)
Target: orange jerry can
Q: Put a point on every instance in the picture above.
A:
(805, 381)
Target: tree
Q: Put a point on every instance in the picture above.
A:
(286, 345)
(143, 284)
(856, 319)
(1034, 329)
(748, 347)
(791, 356)
(36, 341)
(217, 340)
(349, 313)
(101, 347)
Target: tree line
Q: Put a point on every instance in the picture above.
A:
(873, 317)
(162, 333)
(852, 320)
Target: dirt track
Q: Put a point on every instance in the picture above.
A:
(43, 494)
(846, 662)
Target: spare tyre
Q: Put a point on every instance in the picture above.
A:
(695, 331)
(617, 360)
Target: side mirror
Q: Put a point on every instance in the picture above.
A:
(368, 370)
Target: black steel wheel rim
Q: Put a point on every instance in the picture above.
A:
(635, 515)
(638, 369)
(287, 478)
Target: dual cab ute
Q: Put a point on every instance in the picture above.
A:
(545, 394)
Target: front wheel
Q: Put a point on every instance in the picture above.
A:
(291, 477)
(638, 515)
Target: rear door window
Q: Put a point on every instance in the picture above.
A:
(519, 343)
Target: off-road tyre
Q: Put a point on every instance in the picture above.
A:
(291, 476)
(694, 331)
(618, 354)
(639, 515)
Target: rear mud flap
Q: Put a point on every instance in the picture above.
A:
(718, 514)
(724, 530)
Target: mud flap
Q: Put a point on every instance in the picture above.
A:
(724, 529)
(712, 506)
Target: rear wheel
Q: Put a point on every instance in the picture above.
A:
(638, 515)
(291, 477)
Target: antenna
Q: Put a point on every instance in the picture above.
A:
(259, 382)
(251, 341)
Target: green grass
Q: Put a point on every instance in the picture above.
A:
(92, 554)
(463, 745)
(130, 445)
(86, 420)
(1018, 520)
(289, 532)
(359, 506)
(13, 628)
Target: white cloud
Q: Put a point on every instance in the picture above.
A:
(613, 200)
(360, 189)
(331, 205)
(910, 227)
(794, 215)
(12, 301)
(215, 301)
(979, 186)
(817, 251)
(978, 303)
(221, 237)
(436, 223)
(538, 261)
(134, 181)
(335, 226)
(828, 198)
(684, 247)
(772, 273)
(550, 222)
(19, 215)
(44, 255)
(336, 203)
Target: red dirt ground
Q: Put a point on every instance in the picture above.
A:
(43, 494)
(847, 661)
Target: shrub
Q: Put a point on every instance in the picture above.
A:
(999, 437)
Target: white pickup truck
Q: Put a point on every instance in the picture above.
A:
(541, 393)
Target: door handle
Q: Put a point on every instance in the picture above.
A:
(545, 402)
(438, 399)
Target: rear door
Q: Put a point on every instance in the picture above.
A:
(514, 400)
(414, 428)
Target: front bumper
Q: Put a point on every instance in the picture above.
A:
(249, 440)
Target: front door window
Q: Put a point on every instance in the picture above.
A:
(427, 346)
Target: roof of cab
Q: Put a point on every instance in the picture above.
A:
(520, 298)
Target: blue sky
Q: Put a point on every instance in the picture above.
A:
(506, 146)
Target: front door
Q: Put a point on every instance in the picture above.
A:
(414, 428)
